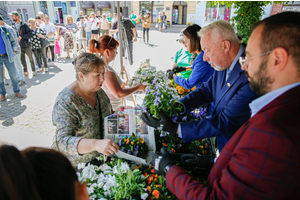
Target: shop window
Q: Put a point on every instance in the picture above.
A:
(25, 14)
(20, 13)
(216, 13)
(158, 6)
(146, 7)
(44, 7)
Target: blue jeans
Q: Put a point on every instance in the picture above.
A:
(12, 74)
(88, 37)
(116, 35)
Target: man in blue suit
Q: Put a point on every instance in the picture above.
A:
(228, 88)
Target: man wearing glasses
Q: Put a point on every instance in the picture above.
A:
(262, 159)
(228, 88)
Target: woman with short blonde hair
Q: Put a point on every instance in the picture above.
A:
(79, 113)
(69, 17)
(72, 28)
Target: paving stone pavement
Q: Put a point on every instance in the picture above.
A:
(28, 121)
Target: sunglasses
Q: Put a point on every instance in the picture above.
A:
(90, 57)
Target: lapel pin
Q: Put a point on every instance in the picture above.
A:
(228, 84)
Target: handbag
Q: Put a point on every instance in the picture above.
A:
(83, 34)
(45, 43)
(156, 26)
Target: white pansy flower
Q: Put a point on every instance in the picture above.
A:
(124, 167)
(90, 190)
(104, 167)
(144, 196)
(88, 172)
(115, 170)
(81, 166)
(93, 197)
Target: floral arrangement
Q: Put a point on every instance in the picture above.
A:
(174, 144)
(156, 186)
(133, 145)
(181, 91)
(113, 180)
(146, 75)
(160, 98)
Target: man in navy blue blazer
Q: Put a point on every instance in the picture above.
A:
(228, 88)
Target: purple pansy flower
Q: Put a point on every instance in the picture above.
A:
(174, 118)
(144, 109)
(154, 80)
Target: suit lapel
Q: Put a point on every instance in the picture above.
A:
(233, 77)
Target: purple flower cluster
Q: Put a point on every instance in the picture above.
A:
(174, 118)
(154, 80)
(157, 100)
(136, 150)
(201, 114)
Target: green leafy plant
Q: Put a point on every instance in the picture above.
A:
(247, 13)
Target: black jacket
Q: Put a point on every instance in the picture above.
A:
(25, 32)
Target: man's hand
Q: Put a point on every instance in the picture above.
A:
(197, 160)
(161, 161)
(135, 39)
(177, 69)
(19, 38)
(168, 124)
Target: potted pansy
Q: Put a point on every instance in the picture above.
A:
(133, 145)
(113, 180)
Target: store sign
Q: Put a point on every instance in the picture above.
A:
(57, 3)
(73, 3)
(87, 5)
(167, 8)
(104, 4)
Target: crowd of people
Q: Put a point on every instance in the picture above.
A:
(252, 91)
(40, 41)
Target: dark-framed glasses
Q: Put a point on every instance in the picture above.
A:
(244, 60)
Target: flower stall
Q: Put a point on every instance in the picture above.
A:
(129, 175)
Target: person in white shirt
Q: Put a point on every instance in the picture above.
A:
(94, 26)
(88, 30)
(50, 32)
(104, 25)
(82, 34)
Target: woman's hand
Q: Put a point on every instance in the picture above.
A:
(141, 87)
(106, 147)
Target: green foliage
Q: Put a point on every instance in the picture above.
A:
(247, 14)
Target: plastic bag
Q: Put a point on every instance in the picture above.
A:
(57, 48)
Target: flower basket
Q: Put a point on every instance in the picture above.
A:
(177, 148)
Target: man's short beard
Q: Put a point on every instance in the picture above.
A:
(261, 82)
(216, 67)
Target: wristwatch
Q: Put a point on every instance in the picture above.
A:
(167, 168)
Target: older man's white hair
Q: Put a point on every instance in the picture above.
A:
(220, 30)
(40, 13)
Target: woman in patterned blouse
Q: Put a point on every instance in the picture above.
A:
(79, 112)
(72, 28)
(36, 44)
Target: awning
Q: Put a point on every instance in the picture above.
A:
(87, 5)
(103, 4)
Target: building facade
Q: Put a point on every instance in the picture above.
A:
(24, 8)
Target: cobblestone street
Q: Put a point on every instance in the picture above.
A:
(28, 121)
